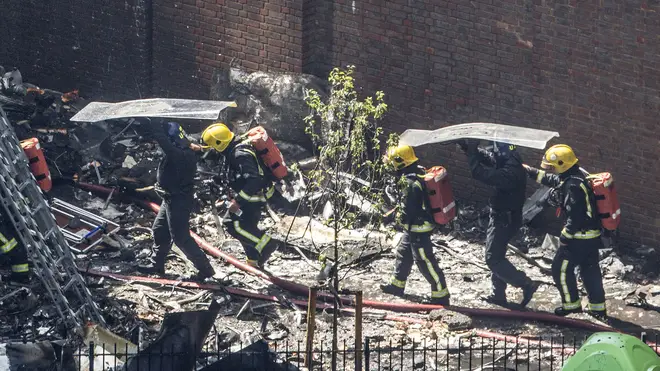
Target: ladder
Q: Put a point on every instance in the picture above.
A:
(26, 207)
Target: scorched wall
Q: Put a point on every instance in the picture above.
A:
(588, 69)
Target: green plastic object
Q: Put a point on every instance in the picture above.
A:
(611, 351)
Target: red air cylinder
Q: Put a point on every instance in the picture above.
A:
(607, 201)
(268, 151)
(441, 196)
(37, 161)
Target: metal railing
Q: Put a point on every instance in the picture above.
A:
(464, 352)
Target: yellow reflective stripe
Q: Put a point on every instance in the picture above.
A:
(245, 233)
(419, 228)
(398, 283)
(252, 263)
(3, 239)
(429, 266)
(597, 306)
(418, 184)
(539, 176)
(586, 199)
(261, 172)
(562, 280)
(573, 305)
(262, 242)
(585, 235)
(440, 294)
(19, 268)
(248, 198)
(7, 247)
(270, 192)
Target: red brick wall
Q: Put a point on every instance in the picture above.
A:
(100, 48)
(192, 37)
(590, 70)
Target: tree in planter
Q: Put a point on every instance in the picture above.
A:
(348, 137)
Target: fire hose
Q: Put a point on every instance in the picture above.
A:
(300, 289)
(319, 306)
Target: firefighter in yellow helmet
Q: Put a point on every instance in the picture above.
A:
(252, 189)
(415, 220)
(580, 237)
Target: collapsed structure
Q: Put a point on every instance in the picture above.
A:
(52, 241)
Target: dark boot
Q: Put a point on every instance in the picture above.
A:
(495, 299)
(561, 311)
(528, 292)
(437, 301)
(151, 268)
(392, 290)
(600, 315)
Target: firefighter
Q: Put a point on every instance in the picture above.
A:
(252, 187)
(416, 221)
(12, 248)
(502, 168)
(580, 237)
(176, 173)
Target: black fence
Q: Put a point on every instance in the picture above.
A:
(465, 352)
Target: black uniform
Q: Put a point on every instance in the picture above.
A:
(12, 248)
(579, 240)
(176, 173)
(253, 188)
(507, 175)
(417, 224)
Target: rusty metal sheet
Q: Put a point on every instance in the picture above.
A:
(155, 107)
(524, 137)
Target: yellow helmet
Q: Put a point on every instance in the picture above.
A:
(401, 156)
(560, 157)
(217, 136)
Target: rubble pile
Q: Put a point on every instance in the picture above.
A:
(113, 155)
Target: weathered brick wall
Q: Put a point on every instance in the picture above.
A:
(588, 70)
(100, 48)
(192, 37)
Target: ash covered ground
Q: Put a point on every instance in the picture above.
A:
(135, 310)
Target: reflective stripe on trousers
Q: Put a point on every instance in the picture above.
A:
(8, 246)
(20, 268)
(260, 242)
(584, 235)
(398, 283)
(419, 228)
(564, 286)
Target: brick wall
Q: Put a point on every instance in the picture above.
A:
(100, 49)
(192, 37)
(590, 70)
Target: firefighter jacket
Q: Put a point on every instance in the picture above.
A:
(247, 176)
(578, 203)
(413, 215)
(176, 170)
(505, 173)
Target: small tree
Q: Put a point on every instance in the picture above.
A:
(348, 138)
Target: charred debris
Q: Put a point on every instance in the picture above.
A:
(111, 234)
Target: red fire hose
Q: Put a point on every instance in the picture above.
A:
(303, 303)
(397, 307)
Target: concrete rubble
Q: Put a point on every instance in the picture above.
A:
(136, 311)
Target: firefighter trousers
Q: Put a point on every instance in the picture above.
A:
(418, 247)
(11, 247)
(172, 224)
(502, 226)
(257, 245)
(584, 254)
